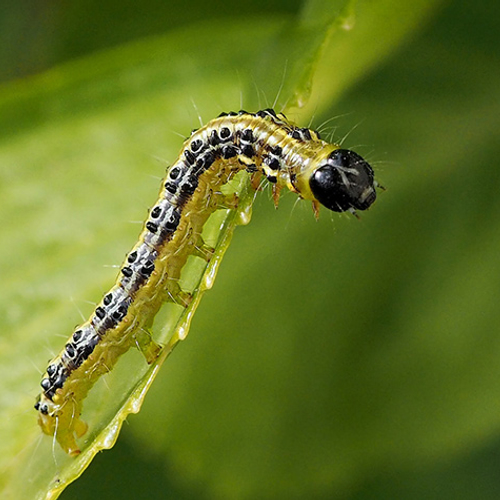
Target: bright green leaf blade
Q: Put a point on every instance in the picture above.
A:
(74, 142)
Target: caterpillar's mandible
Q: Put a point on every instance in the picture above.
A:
(262, 142)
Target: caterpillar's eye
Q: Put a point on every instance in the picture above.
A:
(344, 182)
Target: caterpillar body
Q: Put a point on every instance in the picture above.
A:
(260, 143)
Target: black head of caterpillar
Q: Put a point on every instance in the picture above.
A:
(262, 143)
(343, 182)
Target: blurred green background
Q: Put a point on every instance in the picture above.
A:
(37, 35)
(342, 359)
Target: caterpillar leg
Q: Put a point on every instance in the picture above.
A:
(66, 437)
(148, 347)
(315, 207)
(202, 250)
(63, 422)
(175, 294)
(276, 190)
(226, 201)
(256, 181)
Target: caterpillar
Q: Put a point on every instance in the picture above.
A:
(262, 143)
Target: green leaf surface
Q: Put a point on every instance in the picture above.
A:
(79, 165)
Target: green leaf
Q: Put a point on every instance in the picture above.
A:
(77, 141)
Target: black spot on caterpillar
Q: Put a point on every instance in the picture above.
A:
(260, 143)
